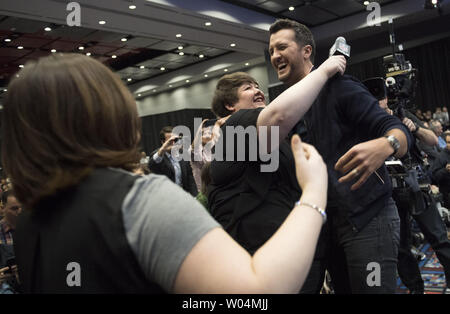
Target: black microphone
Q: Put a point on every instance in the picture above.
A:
(340, 47)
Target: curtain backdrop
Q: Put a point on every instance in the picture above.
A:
(151, 125)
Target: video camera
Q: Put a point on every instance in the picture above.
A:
(401, 81)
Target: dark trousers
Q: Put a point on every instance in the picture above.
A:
(363, 261)
(435, 232)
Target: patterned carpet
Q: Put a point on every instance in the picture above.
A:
(432, 273)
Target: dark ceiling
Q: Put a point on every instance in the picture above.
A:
(311, 13)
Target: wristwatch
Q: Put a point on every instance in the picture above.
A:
(393, 142)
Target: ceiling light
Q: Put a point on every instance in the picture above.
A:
(180, 47)
(124, 39)
(208, 23)
(21, 66)
(170, 85)
(47, 29)
(20, 47)
(132, 7)
(162, 68)
(201, 56)
(226, 70)
(233, 45)
(178, 35)
(81, 48)
(8, 40)
(129, 80)
(187, 81)
(206, 75)
(366, 2)
(291, 8)
(142, 67)
(53, 50)
(113, 56)
(139, 95)
(102, 22)
(181, 53)
(154, 90)
(88, 54)
(247, 64)
(5, 90)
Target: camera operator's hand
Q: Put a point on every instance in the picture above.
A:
(167, 146)
(409, 124)
(361, 161)
(310, 169)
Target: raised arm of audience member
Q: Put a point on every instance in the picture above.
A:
(288, 108)
(217, 264)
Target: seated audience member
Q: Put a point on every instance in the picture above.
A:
(11, 209)
(433, 151)
(162, 162)
(419, 114)
(120, 233)
(8, 269)
(445, 123)
(441, 171)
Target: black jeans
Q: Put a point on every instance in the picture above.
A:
(350, 256)
(435, 232)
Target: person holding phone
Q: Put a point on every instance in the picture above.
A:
(162, 162)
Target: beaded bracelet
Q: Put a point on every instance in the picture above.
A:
(320, 210)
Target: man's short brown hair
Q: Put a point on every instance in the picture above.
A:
(303, 35)
(226, 92)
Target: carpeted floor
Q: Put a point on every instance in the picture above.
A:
(432, 273)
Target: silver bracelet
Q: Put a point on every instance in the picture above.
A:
(320, 210)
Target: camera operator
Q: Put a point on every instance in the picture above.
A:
(414, 201)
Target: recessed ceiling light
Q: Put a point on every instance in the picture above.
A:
(170, 85)
(162, 68)
(142, 67)
(247, 64)
(8, 40)
(20, 47)
(154, 90)
(206, 75)
(81, 48)
(129, 80)
(102, 22)
(233, 45)
(113, 56)
(291, 8)
(139, 95)
(21, 66)
(180, 47)
(366, 2)
(88, 54)
(132, 7)
(226, 70)
(208, 23)
(124, 39)
(47, 29)
(187, 81)
(178, 35)
(53, 50)
(201, 56)
(5, 90)
(181, 53)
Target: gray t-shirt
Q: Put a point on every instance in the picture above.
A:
(162, 224)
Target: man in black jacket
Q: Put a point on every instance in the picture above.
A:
(354, 135)
(162, 162)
